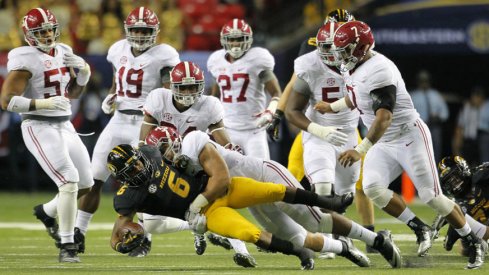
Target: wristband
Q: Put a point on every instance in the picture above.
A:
(364, 146)
(338, 105)
(272, 106)
(199, 202)
(19, 104)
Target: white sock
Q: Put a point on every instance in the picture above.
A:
(464, 231)
(82, 220)
(165, 225)
(406, 215)
(238, 246)
(361, 233)
(478, 228)
(51, 207)
(331, 245)
(67, 211)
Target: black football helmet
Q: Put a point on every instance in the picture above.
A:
(123, 164)
(339, 16)
(454, 176)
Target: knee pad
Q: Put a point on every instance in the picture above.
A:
(442, 205)
(326, 223)
(323, 188)
(69, 187)
(379, 195)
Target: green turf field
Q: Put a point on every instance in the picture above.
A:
(26, 248)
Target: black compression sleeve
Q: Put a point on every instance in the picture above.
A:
(384, 97)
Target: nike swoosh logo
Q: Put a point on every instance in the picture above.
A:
(407, 144)
(189, 120)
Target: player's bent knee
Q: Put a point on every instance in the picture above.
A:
(70, 187)
(442, 205)
(326, 223)
(250, 236)
(379, 195)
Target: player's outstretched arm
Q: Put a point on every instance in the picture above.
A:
(126, 235)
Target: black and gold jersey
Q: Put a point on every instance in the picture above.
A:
(476, 204)
(169, 192)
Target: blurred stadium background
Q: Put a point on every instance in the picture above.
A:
(449, 39)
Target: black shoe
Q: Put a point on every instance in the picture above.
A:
(423, 239)
(307, 258)
(385, 245)
(199, 244)
(450, 239)
(142, 250)
(370, 250)
(79, 240)
(50, 224)
(219, 241)
(244, 260)
(353, 254)
(68, 253)
(476, 251)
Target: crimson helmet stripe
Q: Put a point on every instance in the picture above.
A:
(43, 14)
(141, 14)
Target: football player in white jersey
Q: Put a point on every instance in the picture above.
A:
(139, 66)
(242, 75)
(324, 136)
(186, 109)
(397, 138)
(197, 153)
(40, 82)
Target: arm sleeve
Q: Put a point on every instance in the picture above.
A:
(266, 75)
(302, 87)
(384, 97)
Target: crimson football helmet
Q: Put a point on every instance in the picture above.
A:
(236, 37)
(168, 141)
(187, 82)
(141, 27)
(123, 165)
(454, 176)
(352, 41)
(324, 42)
(37, 24)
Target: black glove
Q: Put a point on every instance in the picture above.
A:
(273, 128)
(129, 242)
(182, 162)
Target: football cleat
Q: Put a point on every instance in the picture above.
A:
(199, 244)
(423, 239)
(386, 247)
(244, 260)
(370, 250)
(68, 253)
(353, 254)
(79, 240)
(50, 224)
(219, 241)
(477, 251)
(307, 264)
(142, 250)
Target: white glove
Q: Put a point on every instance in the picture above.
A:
(53, 103)
(74, 61)
(196, 221)
(263, 119)
(328, 133)
(266, 117)
(108, 105)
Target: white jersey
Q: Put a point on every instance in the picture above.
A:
(242, 92)
(375, 73)
(135, 77)
(238, 165)
(207, 110)
(50, 77)
(326, 85)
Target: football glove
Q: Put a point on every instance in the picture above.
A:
(328, 133)
(53, 103)
(196, 221)
(129, 242)
(273, 128)
(76, 62)
(108, 105)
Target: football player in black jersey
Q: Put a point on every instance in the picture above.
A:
(152, 186)
(469, 188)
